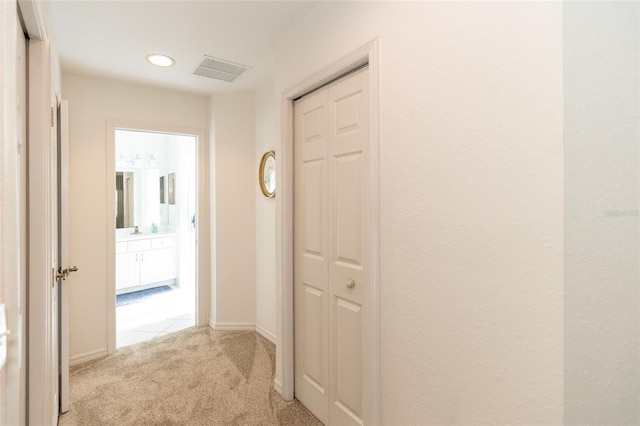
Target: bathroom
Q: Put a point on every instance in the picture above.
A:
(155, 234)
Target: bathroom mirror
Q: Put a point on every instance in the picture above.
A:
(163, 186)
(172, 188)
(124, 199)
(139, 199)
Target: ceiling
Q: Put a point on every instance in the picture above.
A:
(112, 38)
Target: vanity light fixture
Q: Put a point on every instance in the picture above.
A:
(152, 161)
(160, 60)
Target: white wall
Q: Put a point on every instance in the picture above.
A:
(234, 291)
(266, 134)
(471, 186)
(93, 101)
(12, 218)
(185, 160)
(213, 235)
(601, 92)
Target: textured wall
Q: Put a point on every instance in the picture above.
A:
(471, 201)
(12, 216)
(235, 277)
(601, 110)
(266, 133)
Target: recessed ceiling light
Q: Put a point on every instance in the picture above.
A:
(160, 60)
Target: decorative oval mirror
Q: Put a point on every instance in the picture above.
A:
(267, 174)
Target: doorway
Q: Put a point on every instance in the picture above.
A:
(331, 270)
(155, 235)
(286, 359)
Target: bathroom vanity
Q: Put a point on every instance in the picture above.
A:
(145, 261)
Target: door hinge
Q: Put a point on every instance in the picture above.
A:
(52, 116)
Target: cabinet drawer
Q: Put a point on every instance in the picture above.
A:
(121, 247)
(139, 245)
(157, 243)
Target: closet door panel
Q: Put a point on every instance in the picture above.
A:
(311, 273)
(348, 217)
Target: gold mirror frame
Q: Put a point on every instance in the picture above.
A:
(263, 162)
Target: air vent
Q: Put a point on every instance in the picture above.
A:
(219, 69)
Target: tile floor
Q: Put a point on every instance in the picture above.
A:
(161, 314)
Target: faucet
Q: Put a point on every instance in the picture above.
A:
(136, 231)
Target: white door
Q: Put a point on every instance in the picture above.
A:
(331, 135)
(311, 254)
(63, 252)
(43, 343)
(55, 262)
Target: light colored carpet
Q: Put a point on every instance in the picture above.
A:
(197, 376)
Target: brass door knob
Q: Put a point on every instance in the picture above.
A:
(64, 273)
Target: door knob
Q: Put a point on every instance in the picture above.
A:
(64, 273)
(350, 283)
(61, 274)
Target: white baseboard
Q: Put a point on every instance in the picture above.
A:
(236, 326)
(87, 356)
(277, 386)
(243, 326)
(266, 334)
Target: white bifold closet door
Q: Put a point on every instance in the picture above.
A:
(331, 139)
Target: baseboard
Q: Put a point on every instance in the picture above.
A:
(236, 326)
(277, 386)
(87, 356)
(266, 334)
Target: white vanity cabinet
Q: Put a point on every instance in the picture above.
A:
(144, 262)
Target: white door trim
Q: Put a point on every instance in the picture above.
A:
(202, 222)
(32, 17)
(284, 382)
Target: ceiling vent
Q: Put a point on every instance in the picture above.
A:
(219, 69)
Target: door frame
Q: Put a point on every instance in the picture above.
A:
(43, 83)
(284, 381)
(202, 222)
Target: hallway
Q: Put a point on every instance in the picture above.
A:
(498, 246)
(196, 376)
